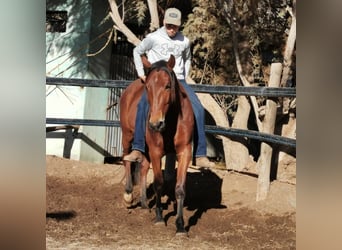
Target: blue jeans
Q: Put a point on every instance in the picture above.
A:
(200, 144)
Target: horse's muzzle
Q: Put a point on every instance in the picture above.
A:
(158, 126)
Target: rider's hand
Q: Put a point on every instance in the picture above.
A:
(143, 78)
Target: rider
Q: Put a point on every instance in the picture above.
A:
(159, 45)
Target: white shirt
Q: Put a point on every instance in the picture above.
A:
(159, 46)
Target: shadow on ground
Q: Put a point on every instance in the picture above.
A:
(203, 192)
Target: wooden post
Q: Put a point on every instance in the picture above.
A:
(264, 162)
(70, 135)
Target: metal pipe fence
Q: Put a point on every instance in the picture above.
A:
(210, 89)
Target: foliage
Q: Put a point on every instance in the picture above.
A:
(140, 12)
(211, 45)
(261, 27)
(133, 11)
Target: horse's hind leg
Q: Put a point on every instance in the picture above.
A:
(143, 178)
(180, 195)
(126, 139)
(179, 220)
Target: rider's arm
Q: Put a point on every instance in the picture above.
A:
(141, 49)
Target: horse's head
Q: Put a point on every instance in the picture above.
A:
(161, 90)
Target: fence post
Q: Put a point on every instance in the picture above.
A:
(264, 162)
(70, 133)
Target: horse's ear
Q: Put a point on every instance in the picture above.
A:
(145, 62)
(171, 62)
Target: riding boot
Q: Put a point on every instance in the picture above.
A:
(134, 156)
(204, 162)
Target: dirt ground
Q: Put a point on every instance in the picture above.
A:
(85, 210)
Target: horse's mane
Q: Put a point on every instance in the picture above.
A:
(162, 65)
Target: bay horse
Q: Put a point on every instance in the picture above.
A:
(169, 129)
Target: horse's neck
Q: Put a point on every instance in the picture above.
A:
(175, 108)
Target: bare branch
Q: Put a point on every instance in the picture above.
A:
(152, 6)
(106, 44)
(119, 24)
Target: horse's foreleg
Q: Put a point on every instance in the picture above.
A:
(183, 162)
(158, 187)
(128, 197)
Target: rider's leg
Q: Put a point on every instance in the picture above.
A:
(200, 144)
(138, 145)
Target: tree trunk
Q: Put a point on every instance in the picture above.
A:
(289, 48)
(238, 153)
(219, 117)
(264, 162)
(243, 78)
(289, 131)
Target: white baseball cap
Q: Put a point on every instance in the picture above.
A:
(173, 16)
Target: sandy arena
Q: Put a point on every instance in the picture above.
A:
(85, 210)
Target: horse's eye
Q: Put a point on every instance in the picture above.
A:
(168, 86)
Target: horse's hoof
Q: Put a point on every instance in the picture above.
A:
(159, 222)
(182, 233)
(144, 206)
(128, 198)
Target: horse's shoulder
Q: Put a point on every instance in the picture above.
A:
(135, 86)
(132, 92)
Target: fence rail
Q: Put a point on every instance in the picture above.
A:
(231, 90)
(199, 88)
(276, 139)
